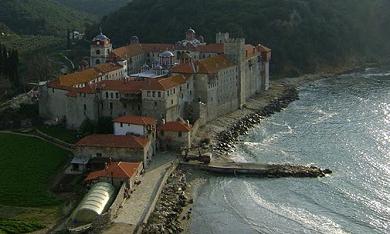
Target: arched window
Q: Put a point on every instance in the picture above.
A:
(97, 51)
(97, 61)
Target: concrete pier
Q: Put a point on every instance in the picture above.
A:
(259, 170)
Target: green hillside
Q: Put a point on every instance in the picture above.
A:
(44, 17)
(96, 7)
(305, 35)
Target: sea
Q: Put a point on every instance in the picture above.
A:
(341, 123)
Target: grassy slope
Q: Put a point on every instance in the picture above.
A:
(27, 164)
(61, 133)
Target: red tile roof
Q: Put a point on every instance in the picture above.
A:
(157, 47)
(113, 141)
(262, 48)
(214, 64)
(211, 48)
(137, 120)
(176, 126)
(250, 51)
(134, 86)
(120, 170)
(128, 51)
(87, 75)
(184, 68)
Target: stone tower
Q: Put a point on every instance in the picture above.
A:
(221, 37)
(234, 49)
(101, 48)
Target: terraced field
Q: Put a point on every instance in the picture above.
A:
(26, 168)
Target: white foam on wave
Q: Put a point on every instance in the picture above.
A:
(324, 116)
(381, 74)
(305, 218)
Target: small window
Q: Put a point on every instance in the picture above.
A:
(159, 94)
(97, 61)
(168, 93)
(98, 155)
(148, 93)
(112, 95)
(174, 90)
(106, 94)
(117, 95)
(172, 101)
(121, 124)
(97, 51)
(154, 94)
(85, 107)
(52, 90)
(111, 106)
(179, 134)
(155, 103)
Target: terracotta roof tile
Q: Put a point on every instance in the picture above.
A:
(87, 75)
(137, 120)
(175, 126)
(211, 48)
(128, 51)
(157, 47)
(133, 86)
(184, 68)
(214, 64)
(113, 141)
(124, 170)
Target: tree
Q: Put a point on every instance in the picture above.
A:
(40, 68)
(104, 125)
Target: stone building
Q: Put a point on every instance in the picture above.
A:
(175, 135)
(73, 97)
(137, 126)
(119, 148)
(189, 79)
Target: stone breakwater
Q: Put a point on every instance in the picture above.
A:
(165, 217)
(225, 140)
(259, 170)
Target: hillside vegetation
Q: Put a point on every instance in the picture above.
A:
(43, 17)
(305, 35)
(96, 7)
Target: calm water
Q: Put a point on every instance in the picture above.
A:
(341, 123)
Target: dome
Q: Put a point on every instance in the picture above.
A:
(101, 37)
(134, 39)
(190, 30)
(167, 54)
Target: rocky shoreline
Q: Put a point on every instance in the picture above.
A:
(168, 213)
(225, 140)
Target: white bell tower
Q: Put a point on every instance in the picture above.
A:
(101, 48)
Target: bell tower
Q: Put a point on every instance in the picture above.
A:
(101, 48)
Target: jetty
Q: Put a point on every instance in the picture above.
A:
(258, 170)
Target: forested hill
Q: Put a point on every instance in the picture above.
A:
(96, 7)
(44, 17)
(305, 35)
